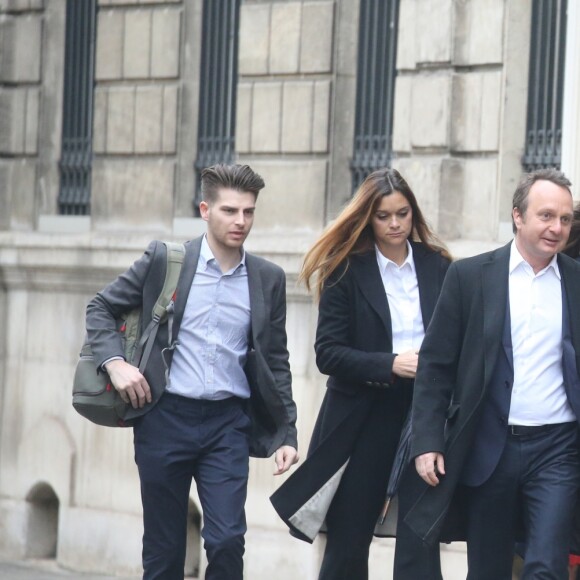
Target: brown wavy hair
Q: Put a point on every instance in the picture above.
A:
(351, 232)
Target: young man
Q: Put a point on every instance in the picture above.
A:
(497, 397)
(227, 394)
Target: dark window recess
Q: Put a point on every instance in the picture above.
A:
(218, 85)
(375, 87)
(546, 85)
(77, 119)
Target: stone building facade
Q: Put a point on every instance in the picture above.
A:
(69, 490)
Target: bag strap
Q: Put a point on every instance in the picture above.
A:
(163, 308)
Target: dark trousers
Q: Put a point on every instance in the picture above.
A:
(536, 482)
(178, 440)
(357, 504)
(414, 559)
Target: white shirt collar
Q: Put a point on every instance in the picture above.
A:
(207, 256)
(384, 262)
(516, 260)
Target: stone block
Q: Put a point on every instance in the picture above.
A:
(170, 120)
(165, 43)
(133, 195)
(100, 119)
(423, 174)
(20, 5)
(137, 47)
(321, 116)
(148, 119)
(31, 121)
(316, 37)
(254, 48)
(452, 190)
(266, 117)
(476, 105)
(297, 116)
(20, 48)
(406, 36)
(480, 199)
(120, 120)
(430, 102)
(434, 31)
(285, 206)
(19, 108)
(479, 26)
(402, 114)
(243, 117)
(17, 194)
(110, 39)
(285, 38)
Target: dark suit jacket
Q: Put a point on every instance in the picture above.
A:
(456, 364)
(354, 339)
(271, 405)
(354, 346)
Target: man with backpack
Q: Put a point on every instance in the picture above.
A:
(217, 381)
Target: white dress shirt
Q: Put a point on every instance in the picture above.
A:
(402, 291)
(538, 395)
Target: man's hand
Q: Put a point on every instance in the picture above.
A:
(285, 457)
(405, 364)
(429, 465)
(129, 382)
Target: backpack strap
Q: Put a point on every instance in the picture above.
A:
(163, 308)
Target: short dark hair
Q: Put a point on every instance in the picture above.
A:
(239, 177)
(520, 199)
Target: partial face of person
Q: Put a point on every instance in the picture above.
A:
(544, 228)
(229, 218)
(392, 223)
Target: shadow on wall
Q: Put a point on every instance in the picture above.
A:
(42, 522)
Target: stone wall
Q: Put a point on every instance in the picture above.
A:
(458, 138)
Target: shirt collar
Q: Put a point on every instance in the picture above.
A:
(385, 263)
(516, 260)
(206, 255)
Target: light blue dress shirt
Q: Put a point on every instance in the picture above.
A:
(208, 362)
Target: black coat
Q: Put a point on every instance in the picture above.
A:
(354, 346)
(456, 364)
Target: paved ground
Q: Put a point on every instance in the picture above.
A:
(47, 570)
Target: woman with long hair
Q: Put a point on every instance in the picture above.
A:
(377, 271)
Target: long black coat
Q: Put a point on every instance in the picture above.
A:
(271, 406)
(354, 346)
(456, 364)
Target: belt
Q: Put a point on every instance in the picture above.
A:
(531, 430)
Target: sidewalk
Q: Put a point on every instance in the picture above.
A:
(47, 570)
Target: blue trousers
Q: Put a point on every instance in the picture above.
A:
(182, 439)
(536, 482)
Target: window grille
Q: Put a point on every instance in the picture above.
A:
(77, 119)
(375, 87)
(546, 85)
(218, 85)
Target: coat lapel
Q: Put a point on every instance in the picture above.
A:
(257, 302)
(495, 288)
(371, 286)
(188, 269)
(427, 268)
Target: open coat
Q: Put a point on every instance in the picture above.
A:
(354, 347)
(271, 407)
(456, 364)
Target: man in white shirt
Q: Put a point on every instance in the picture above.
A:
(497, 397)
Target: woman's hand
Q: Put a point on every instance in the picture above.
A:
(405, 364)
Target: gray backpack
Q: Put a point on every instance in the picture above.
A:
(94, 397)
